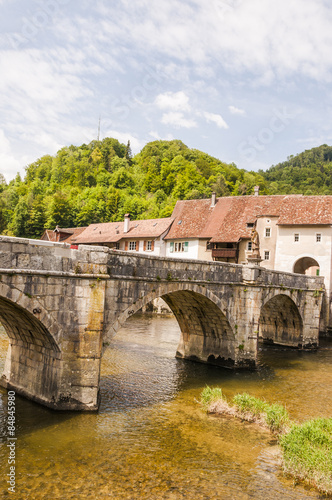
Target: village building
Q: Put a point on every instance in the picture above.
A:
(145, 236)
(293, 233)
(63, 235)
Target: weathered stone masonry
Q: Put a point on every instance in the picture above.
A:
(61, 307)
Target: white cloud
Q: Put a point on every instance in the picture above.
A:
(155, 135)
(240, 36)
(214, 118)
(175, 101)
(8, 163)
(178, 120)
(236, 111)
(135, 143)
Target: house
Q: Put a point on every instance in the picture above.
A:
(219, 228)
(145, 236)
(294, 232)
(63, 235)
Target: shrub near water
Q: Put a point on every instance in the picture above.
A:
(275, 416)
(307, 452)
(209, 396)
(307, 447)
(246, 403)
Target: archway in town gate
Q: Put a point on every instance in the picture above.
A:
(306, 265)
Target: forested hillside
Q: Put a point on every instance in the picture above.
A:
(101, 181)
(308, 173)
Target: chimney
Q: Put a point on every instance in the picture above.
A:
(256, 190)
(126, 223)
(213, 200)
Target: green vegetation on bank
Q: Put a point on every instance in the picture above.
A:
(306, 448)
(101, 181)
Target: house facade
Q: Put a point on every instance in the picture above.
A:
(145, 236)
(294, 233)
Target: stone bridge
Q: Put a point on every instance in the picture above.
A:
(61, 307)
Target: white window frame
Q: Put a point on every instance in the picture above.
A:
(149, 246)
(296, 237)
(267, 254)
(132, 245)
(318, 237)
(179, 246)
(267, 230)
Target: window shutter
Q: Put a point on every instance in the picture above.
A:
(186, 245)
(137, 246)
(144, 245)
(152, 246)
(172, 246)
(126, 245)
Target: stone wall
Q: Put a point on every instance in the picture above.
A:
(61, 307)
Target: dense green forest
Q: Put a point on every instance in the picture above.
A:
(101, 181)
(308, 173)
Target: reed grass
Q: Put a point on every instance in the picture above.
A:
(306, 448)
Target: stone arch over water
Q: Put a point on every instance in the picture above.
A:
(280, 321)
(207, 331)
(33, 357)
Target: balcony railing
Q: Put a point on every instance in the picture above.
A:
(224, 253)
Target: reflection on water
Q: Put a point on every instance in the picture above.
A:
(150, 439)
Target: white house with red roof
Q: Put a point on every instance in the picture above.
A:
(144, 236)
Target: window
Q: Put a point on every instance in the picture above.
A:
(149, 246)
(317, 272)
(132, 245)
(117, 245)
(267, 232)
(296, 237)
(249, 247)
(179, 246)
(266, 255)
(250, 224)
(318, 237)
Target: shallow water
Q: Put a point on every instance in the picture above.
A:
(151, 440)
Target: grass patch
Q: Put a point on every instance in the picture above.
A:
(210, 396)
(307, 447)
(307, 453)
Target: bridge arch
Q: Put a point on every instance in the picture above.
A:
(25, 318)
(280, 321)
(207, 331)
(33, 358)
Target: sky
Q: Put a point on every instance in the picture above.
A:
(246, 81)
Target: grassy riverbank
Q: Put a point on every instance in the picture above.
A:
(306, 448)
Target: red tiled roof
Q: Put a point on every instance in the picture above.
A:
(111, 232)
(227, 220)
(307, 210)
(66, 234)
(242, 210)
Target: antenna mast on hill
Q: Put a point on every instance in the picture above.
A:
(98, 129)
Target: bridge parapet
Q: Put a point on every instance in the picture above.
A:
(36, 255)
(139, 266)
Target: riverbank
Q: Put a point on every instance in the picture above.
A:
(306, 448)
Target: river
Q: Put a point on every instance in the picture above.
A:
(150, 438)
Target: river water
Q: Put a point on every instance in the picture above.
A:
(150, 438)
